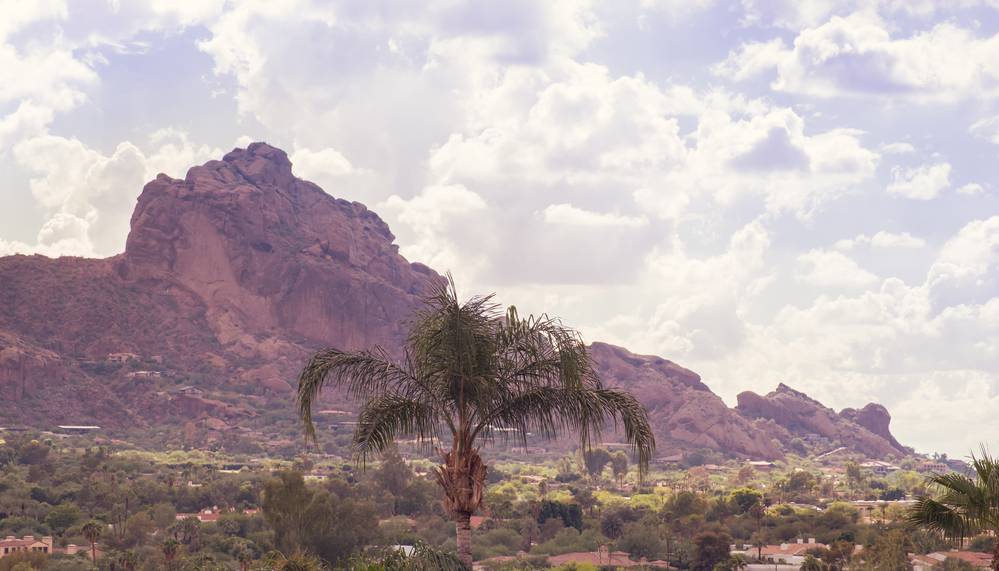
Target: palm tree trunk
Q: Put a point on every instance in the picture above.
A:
(995, 555)
(93, 552)
(463, 534)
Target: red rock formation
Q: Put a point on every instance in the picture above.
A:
(795, 414)
(238, 271)
(233, 275)
(684, 411)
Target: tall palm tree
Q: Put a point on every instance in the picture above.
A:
(170, 548)
(965, 506)
(92, 530)
(470, 374)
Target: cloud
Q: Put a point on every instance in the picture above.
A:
(89, 196)
(856, 55)
(428, 215)
(971, 189)
(573, 216)
(883, 240)
(898, 148)
(920, 183)
(833, 269)
(987, 128)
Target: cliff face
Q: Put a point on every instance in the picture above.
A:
(794, 414)
(233, 275)
(684, 411)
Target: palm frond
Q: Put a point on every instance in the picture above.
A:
(936, 516)
(550, 411)
(390, 415)
(361, 374)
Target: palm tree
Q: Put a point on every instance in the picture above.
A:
(470, 374)
(811, 563)
(92, 530)
(965, 506)
(170, 548)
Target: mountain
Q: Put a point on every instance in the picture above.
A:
(232, 275)
(793, 414)
(684, 412)
(229, 278)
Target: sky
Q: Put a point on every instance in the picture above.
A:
(762, 191)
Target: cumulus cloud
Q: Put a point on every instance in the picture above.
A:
(882, 239)
(573, 216)
(832, 269)
(856, 54)
(89, 195)
(921, 183)
(987, 128)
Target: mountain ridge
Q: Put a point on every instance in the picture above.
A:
(232, 275)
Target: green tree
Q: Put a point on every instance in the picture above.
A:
(61, 517)
(965, 506)
(595, 461)
(619, 464)
(469, 372)
(92, 530)
(170, 549)
(811, 563)
(745, 499)
(710, 548)
(889, 553)
(954, 564)
(316, 521)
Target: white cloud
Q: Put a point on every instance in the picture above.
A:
(573, 216)
(90, 196)
(920, 183)
(857, 55)
(833, 269)
(987, 128)
(751, 59)
(428, 215)
(882, 239)
(972, 188)
(898, 148)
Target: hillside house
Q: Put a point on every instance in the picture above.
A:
(122, 358)
(933, 560)
(790, 553)
(934, 467)
(11, 545)
(880, 468)
(144, 375)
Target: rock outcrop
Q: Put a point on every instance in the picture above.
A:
(685, 413)
(795, 415)
(232, 275)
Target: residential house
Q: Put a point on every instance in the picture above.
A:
(28, 543)
(932, 560)
(122, 357)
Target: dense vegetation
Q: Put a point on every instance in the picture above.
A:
(326, 507)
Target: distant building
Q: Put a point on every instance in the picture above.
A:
(28, 543)
(189, 390)
(77, 429)
(933, 560)
(932, 466)
(122, 357)
(603, 557)
(761, 465)
(880, 468)
(144, 375)
(791, 553)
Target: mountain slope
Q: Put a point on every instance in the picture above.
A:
(233, 275)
